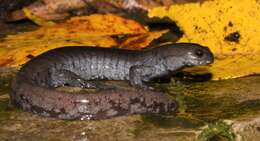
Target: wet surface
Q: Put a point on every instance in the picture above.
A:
(200, 103)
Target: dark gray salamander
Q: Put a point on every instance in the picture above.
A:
(33, 88)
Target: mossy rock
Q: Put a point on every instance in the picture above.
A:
(211, 111)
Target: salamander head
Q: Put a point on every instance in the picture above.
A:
(198, 55)
(186, 55)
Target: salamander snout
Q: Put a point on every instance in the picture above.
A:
(199, 56)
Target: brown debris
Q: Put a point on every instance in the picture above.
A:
(56, 10)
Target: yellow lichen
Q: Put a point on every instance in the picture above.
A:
(29, 14)
(211, 23)
(93, 30)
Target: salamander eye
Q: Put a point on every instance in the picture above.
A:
(199, 53)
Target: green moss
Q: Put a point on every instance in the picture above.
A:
(218, 131)
(206, 102)
(249, 105)
(141, 128)
(200, 99)
(170, 121)
(4, 105)
(5, 88)
(5, 84)
(177, 90)
(212, 109)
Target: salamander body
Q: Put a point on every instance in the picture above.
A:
(33, 88)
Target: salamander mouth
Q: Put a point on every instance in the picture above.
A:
(205, 62)
(200, 63)
(209, 62)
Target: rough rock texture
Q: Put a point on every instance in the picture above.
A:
(7, 6)
(56, 10)
(236, 101)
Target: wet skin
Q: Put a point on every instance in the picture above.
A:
(76, 66)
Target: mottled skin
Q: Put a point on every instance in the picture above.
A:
(75, 66)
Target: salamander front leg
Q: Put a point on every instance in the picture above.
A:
(138, 75)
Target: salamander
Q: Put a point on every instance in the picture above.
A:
(35, 83)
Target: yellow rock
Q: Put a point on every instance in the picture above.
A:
(142, 40)
(230, 28)
(29, 14)
(94, 30)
